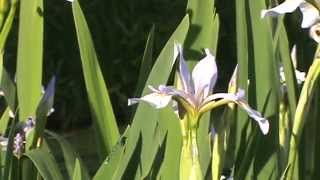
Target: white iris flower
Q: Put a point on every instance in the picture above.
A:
(195, 97)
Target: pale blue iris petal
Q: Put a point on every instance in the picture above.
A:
(156, 100)
(204, 74)
(178, 93)
(239, 99)
(184, 73)
(262, 122)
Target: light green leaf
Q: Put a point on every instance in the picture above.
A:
(264, 91)
(77, 175)
(203, 33)
(7, 25)
(29, 63)
(101, 108)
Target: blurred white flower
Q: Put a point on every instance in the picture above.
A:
(310, 15)
(300, 76)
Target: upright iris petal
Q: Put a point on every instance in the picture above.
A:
(204, 74)
(184, 73)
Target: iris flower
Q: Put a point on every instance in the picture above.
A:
(310, 15)
(194, 97)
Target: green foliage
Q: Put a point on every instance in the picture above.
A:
(102, 113)
(29, 57)
(151, 146)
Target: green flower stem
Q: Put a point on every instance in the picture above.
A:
(301, 113)
(3, 10)
(284, 136)
(189, 161)
(218, 152)
(220, 140)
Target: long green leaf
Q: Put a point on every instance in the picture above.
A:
(70, 157)
(110, 165)
(146, 64)
(101, 108)
(170, 165)
(29, 63)
(146, 117)
(45, 164)
(203, 33)
(43, 109)
(289, 70)
(77, 175)
(238, 137)
(265, 91)
(301, 113)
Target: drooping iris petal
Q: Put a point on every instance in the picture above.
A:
(184, 73)
(156, 100)
(310, 14)
(238, 99)
(204, 75)
(159, 98)
(287, 6)
(262, 122)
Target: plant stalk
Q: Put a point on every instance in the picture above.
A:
(189, 161)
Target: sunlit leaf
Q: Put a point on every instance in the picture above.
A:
(29, 62)
(101, 108)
